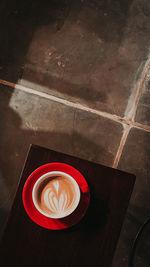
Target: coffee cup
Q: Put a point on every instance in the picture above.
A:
(56, 194)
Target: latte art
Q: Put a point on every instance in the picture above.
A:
(55, 203)
(56, 196)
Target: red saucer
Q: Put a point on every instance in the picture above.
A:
(56, 224)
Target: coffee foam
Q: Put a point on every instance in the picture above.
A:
(56, 196)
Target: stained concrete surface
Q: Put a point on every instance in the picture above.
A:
(88, 52)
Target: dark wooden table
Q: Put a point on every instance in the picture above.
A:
(91, 242)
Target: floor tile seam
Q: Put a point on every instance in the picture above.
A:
(71, 104)
(140, 126)
(132, 112)
(127, 124)
(131, 116)
(122, 143)
(123, 140)
(107, 115)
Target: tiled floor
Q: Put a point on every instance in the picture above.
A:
(74, 77)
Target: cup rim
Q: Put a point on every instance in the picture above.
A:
(49, 174)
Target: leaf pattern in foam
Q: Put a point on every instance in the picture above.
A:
(55, 202)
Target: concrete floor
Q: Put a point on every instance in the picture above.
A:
(75, 77)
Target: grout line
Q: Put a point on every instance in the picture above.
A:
(116, 118)
(138, 93)
(66, 102)
(141, 126)
(7, 83)
(121, 145)
(131, 115)
(127, 123)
